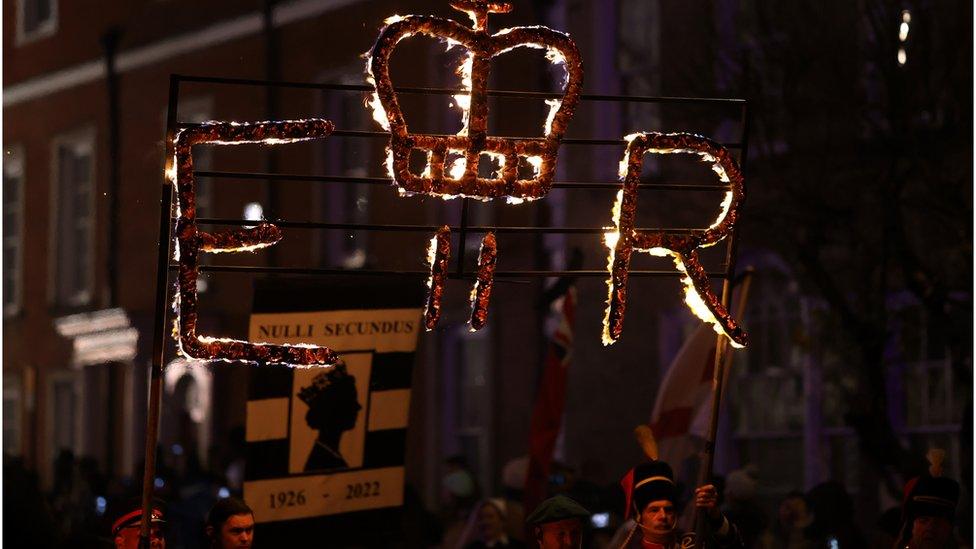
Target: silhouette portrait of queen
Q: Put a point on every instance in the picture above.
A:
(333, 408)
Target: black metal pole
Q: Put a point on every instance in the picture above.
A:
(272, 71)
(110, 41)
(159, 320)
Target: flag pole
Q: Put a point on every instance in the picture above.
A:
(719, 377)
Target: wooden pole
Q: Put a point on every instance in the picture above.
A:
(719, 375)
(159, 322)
(156, 374)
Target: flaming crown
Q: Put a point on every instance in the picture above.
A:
(466, 149)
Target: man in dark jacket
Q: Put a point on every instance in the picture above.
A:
(230, 524)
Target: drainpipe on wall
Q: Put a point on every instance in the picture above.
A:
(110, 41)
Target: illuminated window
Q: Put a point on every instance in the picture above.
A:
(73, 238)
(36, 19)
(13, 221)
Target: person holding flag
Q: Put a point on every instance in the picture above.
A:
(650, 497)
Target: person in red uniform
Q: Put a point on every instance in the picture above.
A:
(650, 501)
(929, 509)
(127, 523)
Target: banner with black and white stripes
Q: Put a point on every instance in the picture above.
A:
(326, 442)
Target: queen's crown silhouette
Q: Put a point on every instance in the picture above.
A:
(453, 161)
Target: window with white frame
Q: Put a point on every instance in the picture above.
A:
(63, 413)
(74, 218)
(13, 232)
(36, 19)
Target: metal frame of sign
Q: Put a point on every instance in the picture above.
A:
(463, 229)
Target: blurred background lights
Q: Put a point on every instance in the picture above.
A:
(903, 28)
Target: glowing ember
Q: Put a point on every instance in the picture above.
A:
(191, 242)
(626, 239)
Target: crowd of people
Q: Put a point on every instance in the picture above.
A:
(647, 509)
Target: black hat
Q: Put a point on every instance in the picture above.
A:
(131, 513)
(556, 508)
(929, 496)
(650, 481)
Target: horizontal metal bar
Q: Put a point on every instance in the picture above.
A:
(384, 135)
(429, 228)
(388, 181)
(582, 273)
(449, 91)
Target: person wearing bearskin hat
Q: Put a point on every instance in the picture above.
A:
(650, 496)
(929, 509)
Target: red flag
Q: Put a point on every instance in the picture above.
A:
(547, 413)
